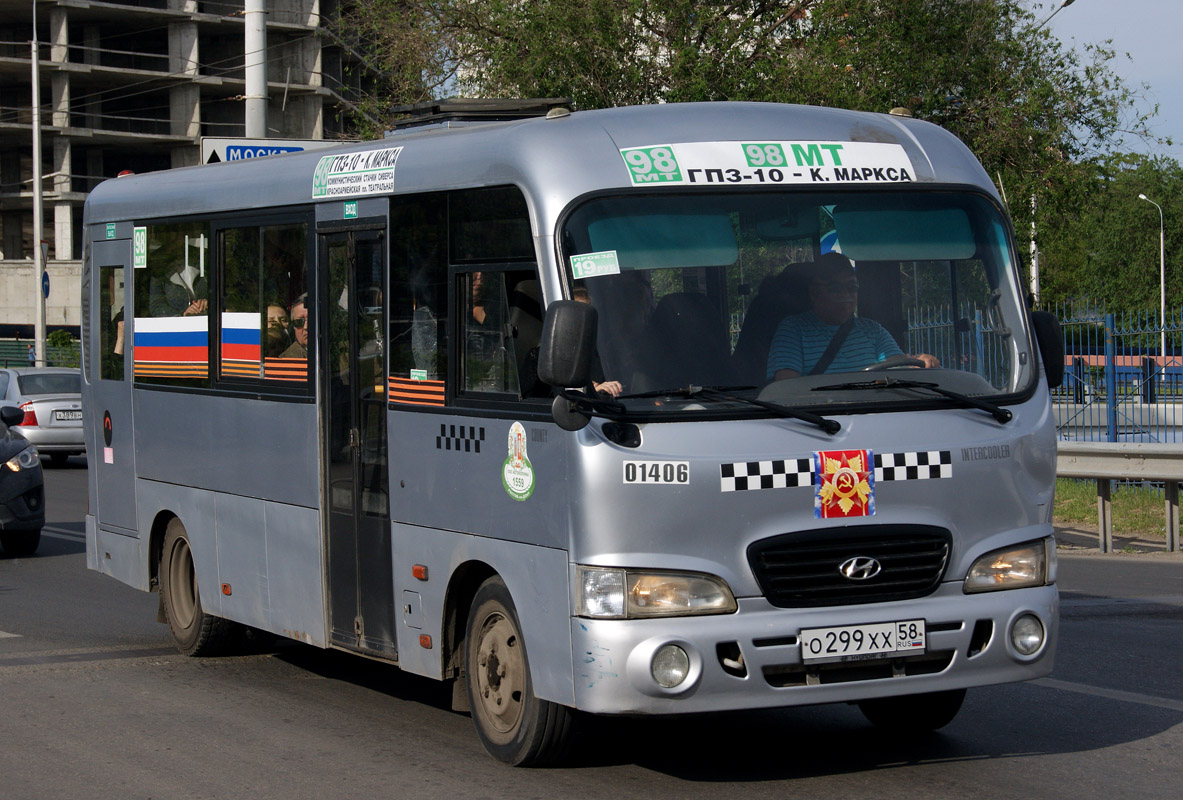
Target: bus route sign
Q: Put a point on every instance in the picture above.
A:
(355, 174)
(755, 163)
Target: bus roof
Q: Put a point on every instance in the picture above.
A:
(556, 159)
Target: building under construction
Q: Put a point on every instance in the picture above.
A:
(135, 86)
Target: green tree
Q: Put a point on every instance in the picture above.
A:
(1107, 249)
(1046, 120)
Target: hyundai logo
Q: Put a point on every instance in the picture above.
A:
(860, 568)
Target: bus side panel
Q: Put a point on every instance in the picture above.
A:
(242, 559)
(295, 573)
(537, 579)
(269, 557)
(123, 557)
(228, 444)
(197, 510)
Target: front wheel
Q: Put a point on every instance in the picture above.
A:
(195, 632)
(916, 713)
(513, 725)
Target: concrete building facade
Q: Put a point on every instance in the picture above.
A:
(134, 86)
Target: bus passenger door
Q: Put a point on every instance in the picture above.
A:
(110, 453)
(353, 391)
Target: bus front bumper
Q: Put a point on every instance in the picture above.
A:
(752, 658)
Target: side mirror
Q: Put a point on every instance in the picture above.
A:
(11, 415)
(1051, 345)
(568, 344)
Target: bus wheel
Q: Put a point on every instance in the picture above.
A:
(916, 713)
(513, 725)
(195, 632)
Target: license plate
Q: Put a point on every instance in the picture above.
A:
(67, 415)
(858, 642)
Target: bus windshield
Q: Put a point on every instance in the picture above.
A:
(799, 298)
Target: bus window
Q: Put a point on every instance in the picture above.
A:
(488, 356)
(490, 225)
(264, 333)
(171, 305)
(111, 323)
(418, 300)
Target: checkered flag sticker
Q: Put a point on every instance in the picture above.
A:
(914, 466)
(781, 474)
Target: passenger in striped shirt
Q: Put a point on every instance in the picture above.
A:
(801, 339)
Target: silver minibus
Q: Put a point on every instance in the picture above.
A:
(652, 410)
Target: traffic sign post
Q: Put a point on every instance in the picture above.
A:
(215, 149)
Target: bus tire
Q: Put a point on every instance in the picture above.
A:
(514, 726)
(915, 713)
(20, 543)
(195, 632)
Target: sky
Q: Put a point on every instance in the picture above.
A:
(1151, 31)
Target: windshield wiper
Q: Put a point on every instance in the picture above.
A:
(830, 426)
(999, 413)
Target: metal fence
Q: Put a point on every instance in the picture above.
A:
(1119, 383)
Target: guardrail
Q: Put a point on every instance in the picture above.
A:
(1108, 461)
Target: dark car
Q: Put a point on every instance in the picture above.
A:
(22, 491)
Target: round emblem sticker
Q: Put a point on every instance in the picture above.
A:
(517, 474)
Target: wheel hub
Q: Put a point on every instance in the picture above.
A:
(500, 674)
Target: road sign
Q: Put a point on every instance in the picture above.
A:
(44, 284)
(217, 148)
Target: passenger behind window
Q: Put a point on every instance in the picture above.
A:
(179, 292)
(829, 338)
(298, 348)
(278, 337)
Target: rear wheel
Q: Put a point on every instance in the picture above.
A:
(195, 632)
(917, 713)
(20, 543)
(513, 725)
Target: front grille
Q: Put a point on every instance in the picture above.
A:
(800, 570)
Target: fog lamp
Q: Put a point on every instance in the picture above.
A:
(670, 666)
(1027, 635)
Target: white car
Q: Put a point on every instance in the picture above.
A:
(51, 398)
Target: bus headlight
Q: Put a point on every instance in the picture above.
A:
(1010, 568)
(629, 594)
(25, 459)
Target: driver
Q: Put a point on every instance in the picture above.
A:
(802, 340)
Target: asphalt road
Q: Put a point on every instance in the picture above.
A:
(95, 703)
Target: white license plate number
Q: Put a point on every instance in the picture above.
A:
(66, 416)
(858, 642)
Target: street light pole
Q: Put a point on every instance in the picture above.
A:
(38, 212)
(1162, 281)
(1064, 4)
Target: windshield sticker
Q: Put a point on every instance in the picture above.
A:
(355, 174)
(590, 265)
(755, 163)
(668, 472)
(846, 484)
(517, 473)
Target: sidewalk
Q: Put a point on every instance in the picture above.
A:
(1079, 541)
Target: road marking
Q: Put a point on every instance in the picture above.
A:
(77, 658)
(1111, 694)
(7, 635)
(62, 533)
